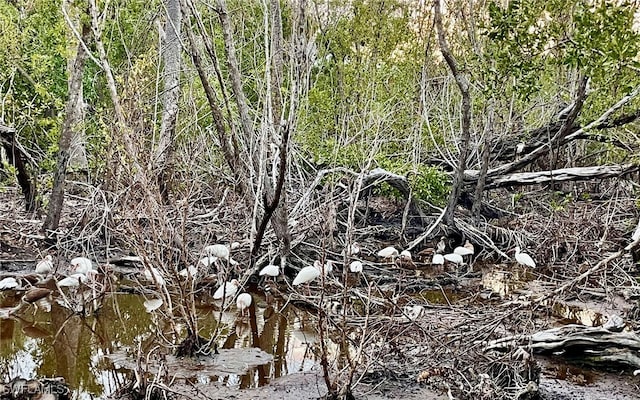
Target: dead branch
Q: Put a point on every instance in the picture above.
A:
(561, 175)
(595, 344)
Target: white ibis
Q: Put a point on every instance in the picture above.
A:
(464, 250)
(190, 271)
(270, 270)
(469, 246)
(306, 274)
(524, 259)
(72, 280)
(243, 302)
(388, 252)
(454, 258)
(352, 250)
(355, 266)
(636, 233)
(221, 250)
(405, 255)
(45, 266)
(152, 274)
(227, 290)
(8, 283)
(152, 304)
(208, 260)
(80, 265)
(326, 269)
(438, 259)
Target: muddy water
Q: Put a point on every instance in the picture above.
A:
(94, 354)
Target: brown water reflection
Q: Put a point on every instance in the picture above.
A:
(35, 343)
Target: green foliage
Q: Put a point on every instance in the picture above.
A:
(364, 87)
(560, 200)
(33, 51)
(528, 41)
(428, 183)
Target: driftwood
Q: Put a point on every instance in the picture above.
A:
(593, 344)
(561, 175)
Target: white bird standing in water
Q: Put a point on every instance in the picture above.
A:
(227, 290)
(243, 302)
(524, 259)
(45, 266)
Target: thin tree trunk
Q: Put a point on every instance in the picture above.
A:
(463, 85)
(69, 125)
(226, 138)
(275, 195)
(171, 55)
(236, 77)
(484, 166)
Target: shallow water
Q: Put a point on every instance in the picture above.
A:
(93, 354)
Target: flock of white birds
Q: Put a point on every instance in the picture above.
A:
(81, 269)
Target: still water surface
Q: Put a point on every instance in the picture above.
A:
(39, 343)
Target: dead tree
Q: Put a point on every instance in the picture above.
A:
(171, 53)
(465, 133)
(69, 125)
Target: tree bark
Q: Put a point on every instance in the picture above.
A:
(274, 185)
(17, 156)
(463, 85)
(484, 166)
(561, 175)
(69, 125)
(171, 52)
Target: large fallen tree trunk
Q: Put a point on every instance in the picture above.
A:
(595, 345)
(561, 175)
(506, 148)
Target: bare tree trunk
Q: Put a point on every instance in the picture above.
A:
(465, 134)
(236, 78)
(484, 164)
(69, 125)
(274, 186)
(18, 157)
(171, 56)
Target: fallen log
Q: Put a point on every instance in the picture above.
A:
(557, 175)
(595, 345)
